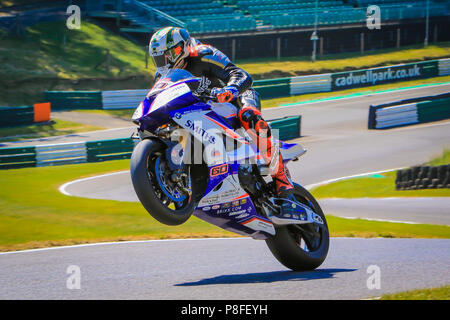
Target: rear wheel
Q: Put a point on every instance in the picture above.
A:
(301, 247)
(162, 191)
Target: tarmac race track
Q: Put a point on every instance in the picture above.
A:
(225, 269)
(339, 145)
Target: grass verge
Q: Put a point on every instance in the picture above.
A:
(45, 129)
(51, 50)
(375, 186)
(441, 293)
(379, 185)
(51, 57)
(34, 214)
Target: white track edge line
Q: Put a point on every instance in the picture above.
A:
(313, 185)
(116, 242)
(302, 103)
(63, 187)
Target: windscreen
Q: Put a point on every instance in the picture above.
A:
(172, 76)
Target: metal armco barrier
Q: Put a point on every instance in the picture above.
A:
(444, 67)
(423, 177)
(11, 158)
(123, 99)
(273, 88)
(17, 116)
(13, 116)
(103, 150)
(57, 154)
(289, 127)
(114, 149)
(268, 88)
(310, 84)
(409, 111)
(74, 99)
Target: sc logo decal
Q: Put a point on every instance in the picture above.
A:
(215, 171)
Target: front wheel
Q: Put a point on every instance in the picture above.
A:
(301, 247)
(159, 189)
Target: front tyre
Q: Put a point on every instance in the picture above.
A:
(153, 186)
(301, 247)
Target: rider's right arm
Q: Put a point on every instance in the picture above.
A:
(216, 64)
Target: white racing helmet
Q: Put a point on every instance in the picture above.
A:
(168, 47)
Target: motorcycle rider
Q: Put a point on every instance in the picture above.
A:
(173, 47)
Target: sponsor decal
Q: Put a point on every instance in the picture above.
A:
(160, 85)
(231, 211)
(226, 205)
(259, 225)
(235, 203)
(371, 77)
(206, 208)
(197, 128)
(243, 201)
(203, 85)
(218, 170)
(210, 200)
(215, 207)
(237, 212)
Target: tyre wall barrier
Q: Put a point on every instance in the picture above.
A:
(409, 111)
(104, 150)
(16, 116)
(423, 177)
(268, 88)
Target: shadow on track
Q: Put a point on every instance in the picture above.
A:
(267, 277)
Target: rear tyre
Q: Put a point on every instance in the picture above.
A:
(301, 247)
(146, 157)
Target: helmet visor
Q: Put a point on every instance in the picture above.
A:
(174, 53)
(160, 60)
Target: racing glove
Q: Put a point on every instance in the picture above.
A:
(225, 94)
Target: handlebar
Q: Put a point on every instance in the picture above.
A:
(206, 95)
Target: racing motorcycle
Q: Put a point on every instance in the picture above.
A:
(193, 158)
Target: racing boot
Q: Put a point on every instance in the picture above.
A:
(260, 132)
(290, 210)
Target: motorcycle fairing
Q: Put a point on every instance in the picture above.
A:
(225, 203)
(230, 207)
